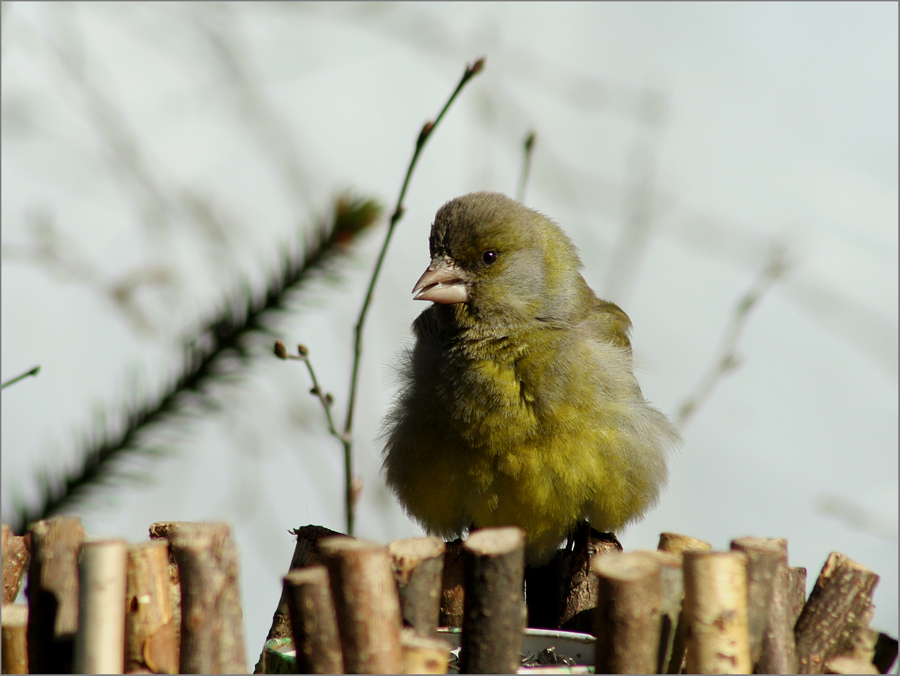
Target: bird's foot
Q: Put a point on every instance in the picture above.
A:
(586, 537)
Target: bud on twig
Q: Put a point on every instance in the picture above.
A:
(356, 487)
(426, 130)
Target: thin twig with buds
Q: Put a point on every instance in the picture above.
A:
(324, 398)
(352, 486)
(427, 130)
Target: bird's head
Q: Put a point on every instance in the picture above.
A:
(506, 262)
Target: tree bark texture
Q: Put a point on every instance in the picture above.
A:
(314, 622)
(52, 593)
(629, 613)
(494, 605)
(715, 601)
(418, 565)
(367, 604)
(840, 602)
(150, 639)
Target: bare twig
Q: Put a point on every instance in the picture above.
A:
(22, 376)
(528, 148)
(324, 398)
(728, 360)
(470, 72)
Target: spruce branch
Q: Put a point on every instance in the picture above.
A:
(213, 354)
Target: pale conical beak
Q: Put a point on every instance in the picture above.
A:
(442, 282)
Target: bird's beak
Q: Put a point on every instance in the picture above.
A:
(443, 282)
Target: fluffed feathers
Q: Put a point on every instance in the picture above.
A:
(518, 404)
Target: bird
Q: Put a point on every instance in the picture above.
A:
(517, 403)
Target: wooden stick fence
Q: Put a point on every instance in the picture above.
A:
(102, 606)
(171, 605)
(682, 608)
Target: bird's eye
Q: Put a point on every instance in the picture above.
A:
(489, 257)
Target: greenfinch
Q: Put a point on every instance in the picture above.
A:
(518, 405)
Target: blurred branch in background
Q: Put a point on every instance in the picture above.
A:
(275, 135)
(527, 150)
(217, 352)
(51, 251)
(21, 376)
(161, 201)
(866, 331)
(410, 25)
(862, 328)
(857, 517)
(641, 201)
(728, 359)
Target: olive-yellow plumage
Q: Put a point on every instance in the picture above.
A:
(518, 404)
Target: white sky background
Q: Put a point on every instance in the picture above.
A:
(777, 127)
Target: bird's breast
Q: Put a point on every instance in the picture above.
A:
(509, 390)
(487, 401)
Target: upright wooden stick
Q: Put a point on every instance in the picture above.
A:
(494, 604)
(838, 604)
(212, 631)
(676, 545)
(367, 604)
(314, 622)
(629, 613)
(100, 641)
(779, 650)
(162, 530)
(562, 593)
(767, 616)
(52, 593)
(672, 632)
(14, 644)
(16, 555)
(796, 593)
(150, 642)
(715, 603)
(452, 587)
(418, 565)
(306, 553)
